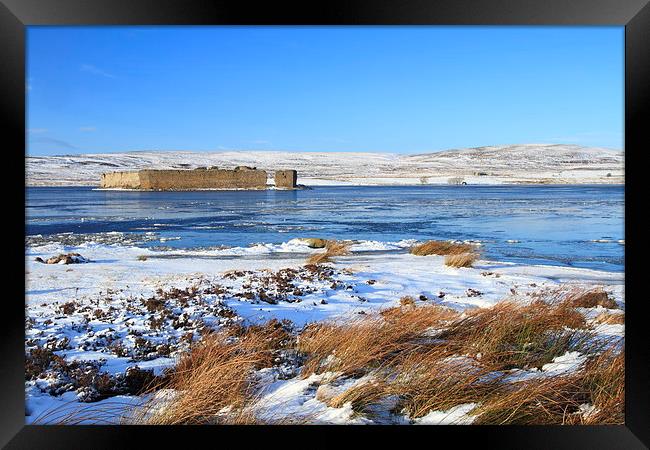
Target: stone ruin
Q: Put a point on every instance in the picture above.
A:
(241, 177)
(286, 179)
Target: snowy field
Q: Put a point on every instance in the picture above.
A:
(522, 164)
(107, 316)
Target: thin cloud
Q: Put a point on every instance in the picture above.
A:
(37, 130)
(52, 141)
(87, 128)
(96, 71)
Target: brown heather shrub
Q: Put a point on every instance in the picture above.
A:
(332, 248)
(591, 299)
(512, 335)
(407, 301)
(461, 260)
(440, 248)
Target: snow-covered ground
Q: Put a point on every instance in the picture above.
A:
(529, 163)
(105, 312)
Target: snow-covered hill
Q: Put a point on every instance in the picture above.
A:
(528, 163)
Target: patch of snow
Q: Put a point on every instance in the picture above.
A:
(458, 415)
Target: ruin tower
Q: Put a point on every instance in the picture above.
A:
(286, 179)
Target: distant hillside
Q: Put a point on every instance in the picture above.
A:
(527, 163)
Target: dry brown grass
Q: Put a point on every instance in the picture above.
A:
(543, 401)
(440, 248)
(357, 346)
(461, 260)
(407, 301)
(332, 248)
(591, 299)
(433, 379)
(361, 396)
(610, 319)
(426, 358)
(513, 335)
(558, 399)
(215, 376)
(604, 378)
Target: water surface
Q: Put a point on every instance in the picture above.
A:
(540, 224)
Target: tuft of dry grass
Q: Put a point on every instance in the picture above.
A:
(407, 301)
(440, 248)
(610, 319)
(357, 346)
(543, 401)
(559, 399)
(214, 381)
(461, 260)
(332, 248)
(434, 380)
(604, 378)
(591, 299)
(362, 396)
(513, 335)
(417, 358)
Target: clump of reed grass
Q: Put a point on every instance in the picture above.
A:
(513, 335)
(610, 319)
(461, 259)
(433, 379)
(213, 381)
(592, 299)
(332, 248)
(361, 396)
(357, 346)
(424, 358)
(558, 399)
(440, 248)
(542, 401)
(604, 378)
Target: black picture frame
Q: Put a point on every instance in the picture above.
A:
(15, 15)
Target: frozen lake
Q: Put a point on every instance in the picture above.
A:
(575, 225)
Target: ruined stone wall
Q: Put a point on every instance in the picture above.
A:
(286, 179)
(124, 180)
(240, 178)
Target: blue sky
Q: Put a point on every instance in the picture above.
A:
(392, 89)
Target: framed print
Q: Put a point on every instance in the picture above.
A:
(346, 219)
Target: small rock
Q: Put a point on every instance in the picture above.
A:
(69, 258)
(314, 242)
(423, 297)
(441, 294)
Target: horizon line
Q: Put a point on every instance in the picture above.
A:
(28, 155)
